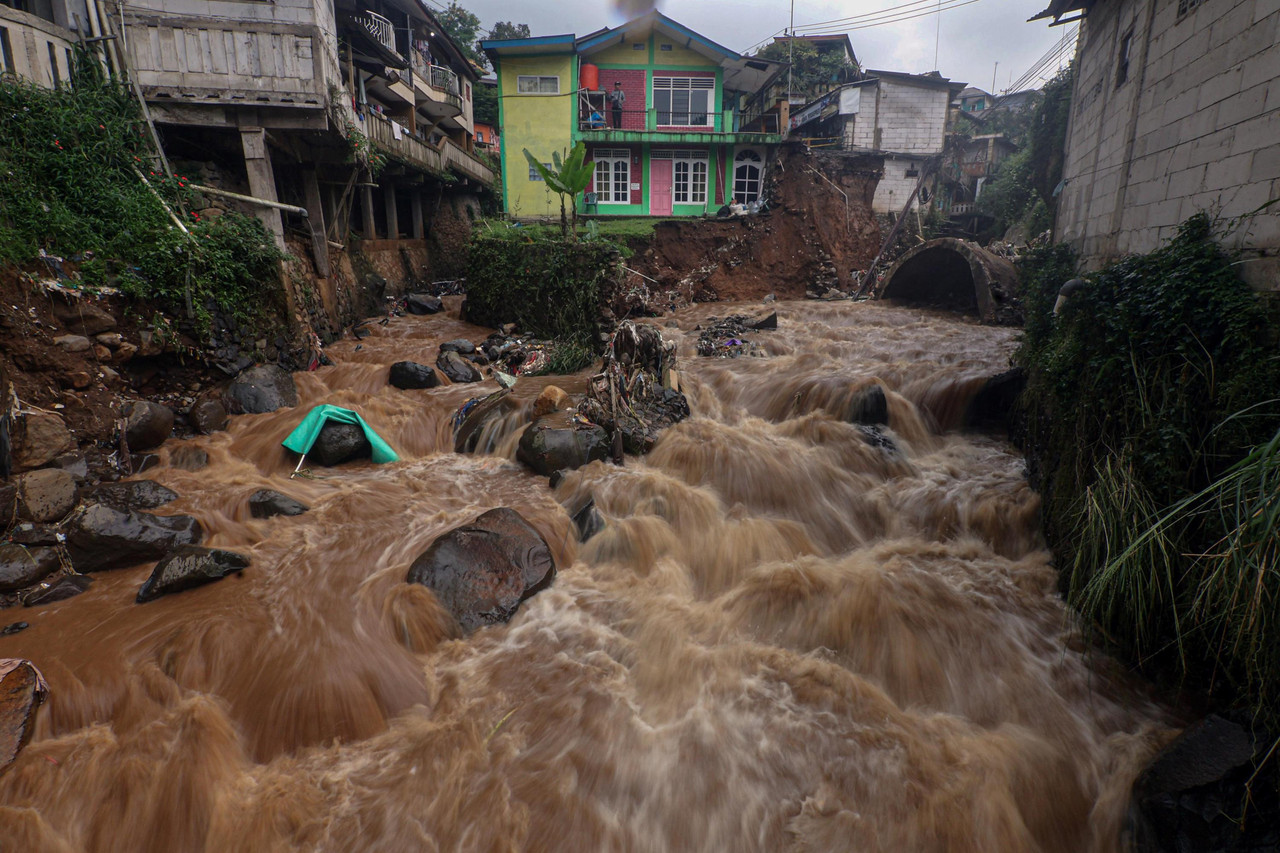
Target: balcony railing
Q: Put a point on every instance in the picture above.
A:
(380, 28)
(441, 158)
(445, 79)
(666, 122)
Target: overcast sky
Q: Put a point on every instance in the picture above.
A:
(973, 38)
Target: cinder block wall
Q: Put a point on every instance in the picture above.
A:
(1194, 125)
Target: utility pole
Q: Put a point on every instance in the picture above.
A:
(993, 77)
(937, 37)
(791, 49)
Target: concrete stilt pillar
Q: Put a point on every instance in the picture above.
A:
(415, 206)
(315, 218)
(393, 215)
(262, 179)
(366, 213)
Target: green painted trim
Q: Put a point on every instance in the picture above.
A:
(634, 67)
(666, 137)
(652, 42)
(502, 140)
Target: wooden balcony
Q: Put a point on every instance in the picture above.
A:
(442, 159)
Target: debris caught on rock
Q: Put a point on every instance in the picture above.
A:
(636, 392)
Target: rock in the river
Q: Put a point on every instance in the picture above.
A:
(208, 416)
(869, 406)
(588, 521)
(457, 368)
(21, 567)
(188, 458)
(992, 406)
(22, 689)
(101, 537)
(40, 438)
(462, 346)
(423, 303)
(338, 443)
(768, 322)
(67, 586)
(556, 443)
(409, 374)
(474, 415)
(552, 399)
(265, 503)
(46, 495)
(264, 388)
(190, 566)
(147, 424)
(482, 571)
(131, 494)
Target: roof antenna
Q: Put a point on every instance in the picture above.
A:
(937, 38)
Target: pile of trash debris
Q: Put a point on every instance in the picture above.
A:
(727, 338)
(637, 393)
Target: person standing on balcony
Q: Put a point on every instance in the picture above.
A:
(617, 98)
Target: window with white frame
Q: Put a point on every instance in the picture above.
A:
(747, 168)
(688, 175)
(528, 84)
(613, 175)
(684, 101)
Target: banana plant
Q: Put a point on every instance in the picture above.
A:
(568, 177)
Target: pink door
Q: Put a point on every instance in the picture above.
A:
(660, 188)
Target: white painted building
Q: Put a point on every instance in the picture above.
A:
(1176, 110)
(902, 117)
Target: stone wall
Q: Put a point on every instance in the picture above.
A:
(1192, 124)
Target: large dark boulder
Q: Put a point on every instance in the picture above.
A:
(462, 346)
(407, 375)
(208, 416)
(266, 503)
(475, 415)
(993, 406)
(338, 443)
(101, 537)
(189, 566)
(45, 495)
(423, 303)
(131, 494)
(264, 388)
(482, 571)
(457, 368)
(147, 424)
(21, 566)
(556, 444)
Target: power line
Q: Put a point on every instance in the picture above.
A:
(892, 15)
(856, 18)
(904, 17)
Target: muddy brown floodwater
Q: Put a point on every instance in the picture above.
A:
(787, 637)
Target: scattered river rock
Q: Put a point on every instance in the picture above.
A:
(423, 303)
(264, 388)
(407, 375)
(457, 368)
(46, 495)
(101, 537)
(61, 589)
(189, 566)
(338, 443)
(40, 438)
(556, 443)
(266, 503)
(21, 566)
(482, 571)
(147, 424)
(208, 416)
(131, 494)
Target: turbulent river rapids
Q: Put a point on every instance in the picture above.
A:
(786, 637)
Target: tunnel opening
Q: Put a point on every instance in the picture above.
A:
(937, 277)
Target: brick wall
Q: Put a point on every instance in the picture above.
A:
(1195, 126)
(635, 84)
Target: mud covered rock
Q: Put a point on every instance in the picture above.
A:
(555, 443)
(102, 537)
(22, 690)
(470, 420)
(147, 424)
(869, 406)
(338, 443)
(264, 388)
(131, 494)
(407, 375)
(266, 503)
(46, 495)
(423, 303)
(189, 566)
(208, 416)
(21, 567)
(60, 589)
(457, 368)
(40, 437)
(482, 571)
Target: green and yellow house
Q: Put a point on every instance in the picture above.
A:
(693, 129)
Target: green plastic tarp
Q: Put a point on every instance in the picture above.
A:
(304, 435)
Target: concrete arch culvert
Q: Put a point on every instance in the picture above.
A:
(955, 275)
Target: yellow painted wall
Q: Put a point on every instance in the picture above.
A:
(621, 54)
(540, 123)
(677, 55)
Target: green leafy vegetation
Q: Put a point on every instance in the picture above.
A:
(552, 289)
(464, 28)
(1153, 431)
(73, 163)
(814, 70)
(569, 177)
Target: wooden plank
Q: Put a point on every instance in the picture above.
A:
(315, 219)
(152, 50)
